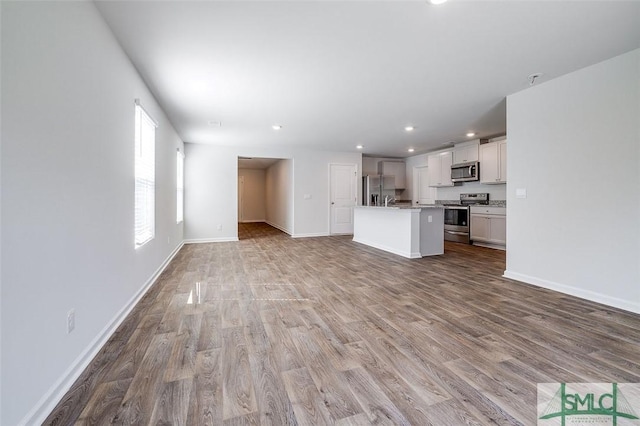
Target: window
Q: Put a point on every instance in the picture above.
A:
(179, 187)
(145, 177)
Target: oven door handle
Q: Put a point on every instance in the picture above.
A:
(456, 232)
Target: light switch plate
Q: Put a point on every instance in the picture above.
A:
(521, 192)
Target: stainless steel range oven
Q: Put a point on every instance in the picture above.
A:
(457, 217)
(456, 223)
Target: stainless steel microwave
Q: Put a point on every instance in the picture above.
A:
(465, 172)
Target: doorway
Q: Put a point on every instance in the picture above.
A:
(422, 192)
(260, 199)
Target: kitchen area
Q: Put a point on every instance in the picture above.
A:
(456, 194)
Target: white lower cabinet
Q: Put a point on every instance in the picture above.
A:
(489, 225)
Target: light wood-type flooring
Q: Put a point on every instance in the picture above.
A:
(278, 331)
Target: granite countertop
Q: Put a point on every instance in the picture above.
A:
(393, 207)
(405, 207)
(492, 203)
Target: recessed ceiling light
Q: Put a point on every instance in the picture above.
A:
(437, 1)
(409, 129)
(411, 150)
(359, 146)
(276, 127)
(470, 134)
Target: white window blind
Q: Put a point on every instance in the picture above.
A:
(179, 187)
(145, 177)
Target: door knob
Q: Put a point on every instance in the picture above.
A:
(332, 203)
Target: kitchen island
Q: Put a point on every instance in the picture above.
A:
(411, 232)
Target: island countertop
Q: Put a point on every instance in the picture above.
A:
(411, 231)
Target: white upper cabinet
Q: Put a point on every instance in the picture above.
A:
(394, 168)
(440, 169)
(493, 162)
(466, 152)
(502, 162)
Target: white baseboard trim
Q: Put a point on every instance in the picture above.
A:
(317, 234)
(407, 254)
(593, 296)
(286, 231)
(490, 245)
(253, 221)
(210, 240)
(54, 395)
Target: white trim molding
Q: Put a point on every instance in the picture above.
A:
(39, 413)
(211, 240)
(407, 254)
(627, 305)
(316, 234)
(286, 231)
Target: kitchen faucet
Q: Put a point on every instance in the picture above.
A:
(387, 200)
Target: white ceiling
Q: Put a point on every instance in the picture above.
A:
(336, 74)
(256, 163)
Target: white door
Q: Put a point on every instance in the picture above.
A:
(240, 198)
(422, 192)
(343, 184)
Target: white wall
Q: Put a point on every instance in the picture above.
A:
(0, 232)
(311, 177)
(370, 165)
(574, 145)
(211, 188)
(253, 195)
(67, 169)
(279, 196)
(210, 193)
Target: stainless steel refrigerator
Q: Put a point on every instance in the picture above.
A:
(376, 187)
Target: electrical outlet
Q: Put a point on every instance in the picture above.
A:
(429, 218)
(168, 240)
(219, 227)
(71, 320)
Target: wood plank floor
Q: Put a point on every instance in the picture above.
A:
(279, 331)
